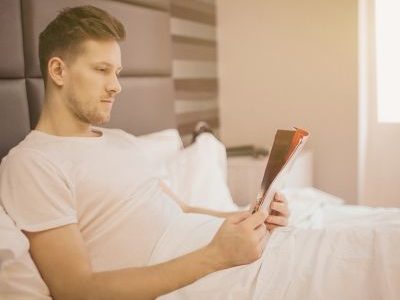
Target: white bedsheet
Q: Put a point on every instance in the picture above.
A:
(330, 251)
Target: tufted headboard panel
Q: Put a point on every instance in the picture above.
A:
(146, 102)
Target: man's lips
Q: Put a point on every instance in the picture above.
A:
(110, 100)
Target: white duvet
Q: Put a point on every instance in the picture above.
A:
(329, 251)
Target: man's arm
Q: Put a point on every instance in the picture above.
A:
(64, 264)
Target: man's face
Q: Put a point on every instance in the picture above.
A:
(91, 81)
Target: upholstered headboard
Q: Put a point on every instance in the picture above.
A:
(146, 102)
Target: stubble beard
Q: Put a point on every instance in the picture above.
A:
(86, 113)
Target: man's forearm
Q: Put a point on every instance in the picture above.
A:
(153, 281)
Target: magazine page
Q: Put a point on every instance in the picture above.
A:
(286, 147)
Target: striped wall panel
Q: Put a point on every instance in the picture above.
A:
(194, 66)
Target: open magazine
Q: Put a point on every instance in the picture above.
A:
(286, 147)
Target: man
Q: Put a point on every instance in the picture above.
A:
(92, 216)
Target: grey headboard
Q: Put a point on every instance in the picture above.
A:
(146, 102)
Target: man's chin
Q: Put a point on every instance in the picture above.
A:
(101, 120)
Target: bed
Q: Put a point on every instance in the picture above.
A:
(328, 251)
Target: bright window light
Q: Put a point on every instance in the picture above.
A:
(387, 28)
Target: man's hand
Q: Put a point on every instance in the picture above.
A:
(240, 240)
(279, 212)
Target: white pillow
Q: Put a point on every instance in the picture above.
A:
(19, 277)
(198, 174)
(162, 145)
(159, 148)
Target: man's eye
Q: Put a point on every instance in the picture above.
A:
(101, 69)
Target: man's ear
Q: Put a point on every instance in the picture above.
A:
(56, 70)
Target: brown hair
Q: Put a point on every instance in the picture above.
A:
(63, 36)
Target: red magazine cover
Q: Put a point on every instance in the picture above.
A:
(286, 147)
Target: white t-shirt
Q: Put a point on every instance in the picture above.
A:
(102, 183)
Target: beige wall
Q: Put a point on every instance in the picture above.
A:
(292, 63)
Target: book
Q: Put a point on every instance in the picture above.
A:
(286, 147)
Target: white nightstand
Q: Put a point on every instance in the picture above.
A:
(245, 174)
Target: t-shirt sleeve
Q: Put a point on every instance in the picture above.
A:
(35, 193)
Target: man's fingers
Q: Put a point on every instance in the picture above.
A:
(277, 220)
(280, 197)
(280, 207)
(256, 219)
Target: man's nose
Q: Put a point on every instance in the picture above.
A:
(114, 85)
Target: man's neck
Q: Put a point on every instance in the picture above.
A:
(57, 120)
(59, 129)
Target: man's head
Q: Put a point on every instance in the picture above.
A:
(63, 37)
(80, 59)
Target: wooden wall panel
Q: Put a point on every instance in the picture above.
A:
(194, 67)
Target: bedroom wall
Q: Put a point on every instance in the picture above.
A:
(292, 63)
